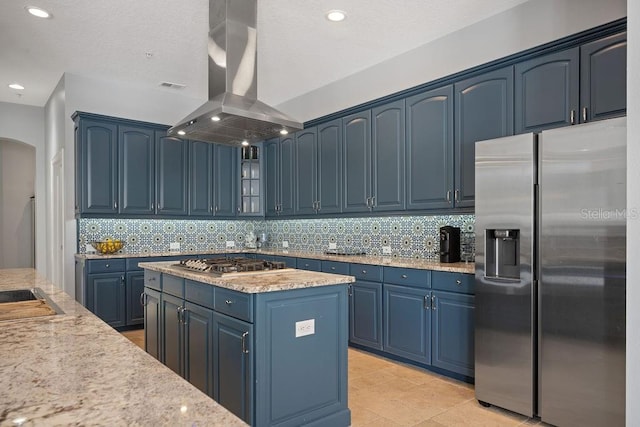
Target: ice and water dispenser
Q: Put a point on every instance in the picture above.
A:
(502, 254)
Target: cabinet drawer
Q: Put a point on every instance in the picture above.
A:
(335, 267)
(105, 265)
(308, 264)
(173, 285)
(198, 293)
(407, 276)
(454, 282)
(152, 280)
(233, 303)
(366, 272)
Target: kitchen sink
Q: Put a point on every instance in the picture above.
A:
(25, 303)
(17, 295)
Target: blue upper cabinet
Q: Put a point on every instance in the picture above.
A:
(547, 91)
(483, 110)
(172, 163)
(287, 183)
(97, 167)
(429, 151)
(225, 182)
(136, 155)
(271, 163)
(387, 157)
(305, 176)
(200, 178)
(356, 131)
(329, 190)
(279, 165)
(603, 78)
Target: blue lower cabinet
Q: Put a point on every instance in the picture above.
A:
(106, 297)
(171, 332)
(453, 332)
(134, 290)
(198, 346)
(365, 314)
(152, 338)
(407, 322)
(233, 365)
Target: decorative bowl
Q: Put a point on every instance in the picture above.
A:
(108, 246)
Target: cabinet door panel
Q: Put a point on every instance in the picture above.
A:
(407, 322)
(135, 287)
(225, 181)
(152, 338)
(429, 154)
(356, 131)
(603, 78)
(233, 370)
(330, 167)
(365, 314)
(306, 153)
(172, 335)
(107, 292)
(547, 91)
(98, 178)
(453, 332)
(287, 146)
(171, 174)
(271, 161)
(201, 178)
(387, 156)
(484, 110)
(198, 344)
(136, 168)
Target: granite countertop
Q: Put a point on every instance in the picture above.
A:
(421, 264)
(255, 282)
(73, 369)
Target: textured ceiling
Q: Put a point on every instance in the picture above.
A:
(299, 49)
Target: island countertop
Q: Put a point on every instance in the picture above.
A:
(73, 369)
(254, 282)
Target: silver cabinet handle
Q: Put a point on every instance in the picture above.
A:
(185, 318)
(584, 114)
(152, 206)
(426, 302)
(572, 117)
(106, 266)
(373, 201)
(217, 208)
(122, 280)
(457, 195)
(449, 196)
(115, 205)
(238, 209)
(179, 313)
(433, 302)
(245, 350)
(458, 282)
(350, 290)
(142, 299)
(333, 269)
(404, 276)
(228, 302)
(364, 271)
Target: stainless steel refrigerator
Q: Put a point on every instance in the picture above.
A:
(551, 274)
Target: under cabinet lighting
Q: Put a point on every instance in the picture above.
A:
(36, 11)
(336, 15)
(16, 86)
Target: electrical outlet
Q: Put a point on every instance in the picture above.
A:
(332, 246)
(386, 250)
(231, 244)
(174, 246)
(285, 243)
(305, 327)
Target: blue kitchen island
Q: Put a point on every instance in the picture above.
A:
(270, 346)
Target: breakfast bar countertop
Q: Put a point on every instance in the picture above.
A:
(73, 369)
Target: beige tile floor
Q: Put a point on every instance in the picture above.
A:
(386, 393)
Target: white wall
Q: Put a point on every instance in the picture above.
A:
(633, 222)
(26, 124)
(528, 25)
(17, 186)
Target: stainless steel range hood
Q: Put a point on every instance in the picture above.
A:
(233, 113)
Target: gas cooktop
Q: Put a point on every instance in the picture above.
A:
(221, 266)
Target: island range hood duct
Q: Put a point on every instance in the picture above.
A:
(233, 113)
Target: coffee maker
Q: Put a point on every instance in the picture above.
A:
(449, 244)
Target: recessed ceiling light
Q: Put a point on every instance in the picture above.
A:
(181, 132)
(36, 11)
(336, 15)
(16, 86)
(215, 118)
(245, 143)
(283, 131)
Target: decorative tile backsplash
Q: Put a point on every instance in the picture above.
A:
(408, 236)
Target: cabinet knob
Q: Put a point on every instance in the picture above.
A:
(228, 302)
(458, 282)
(333, 269)
(404, 276)
(106, 266)
(364, 271)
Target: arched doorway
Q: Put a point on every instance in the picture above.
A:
(17, 205)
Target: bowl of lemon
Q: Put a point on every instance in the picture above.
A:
(108, 246)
